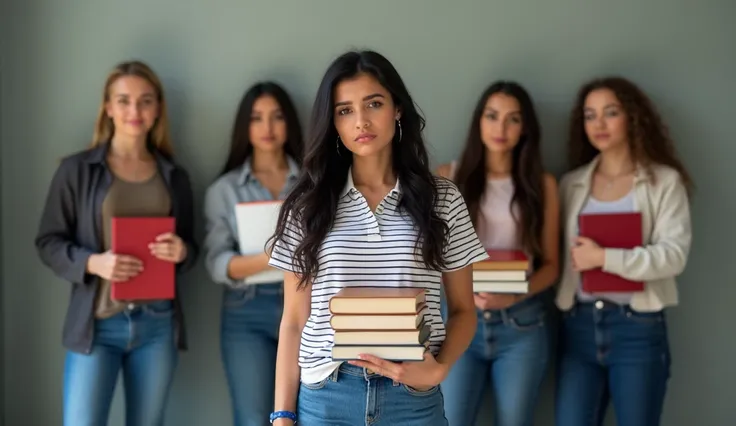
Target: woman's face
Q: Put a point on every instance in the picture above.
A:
(501, 124)
(365, 115)
(605, 120)
(267, 125)
(132, 105)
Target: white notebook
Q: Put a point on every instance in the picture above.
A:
(256, 223)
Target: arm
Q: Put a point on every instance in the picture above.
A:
(55, 241)
(549, 269)
(185, 221)
(223, 263)
(462, 320)
(297, 306)
(463, 249)
(667, 253)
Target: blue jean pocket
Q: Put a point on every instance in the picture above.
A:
(416, 392)
(316, 386)
(237, 298)
(530, 318)
(162, 309)
(645, 317)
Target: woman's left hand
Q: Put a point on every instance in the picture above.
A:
(169, 247)
(587, 254)
(420, 375)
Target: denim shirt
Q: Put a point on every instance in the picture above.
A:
(221, 231)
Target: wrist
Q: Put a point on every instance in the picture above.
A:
(91, 266)
(442, 371)
(283, 417)
(601, 257)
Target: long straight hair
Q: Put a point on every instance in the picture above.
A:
(527, 172)
(312, 204)
(159, 136)
(241, 146)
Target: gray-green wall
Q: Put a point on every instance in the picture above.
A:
(55, 55)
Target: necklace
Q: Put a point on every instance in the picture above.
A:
(610, 180)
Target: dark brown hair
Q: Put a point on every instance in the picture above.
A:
(648, 136)
(527, 172)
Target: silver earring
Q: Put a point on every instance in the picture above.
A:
(337, 145)
(400, 131)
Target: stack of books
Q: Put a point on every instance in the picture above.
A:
(505, 271)
(385, 322)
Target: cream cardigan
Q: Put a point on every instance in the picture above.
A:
(664, 205)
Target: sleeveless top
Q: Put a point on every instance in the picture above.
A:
(496, 225)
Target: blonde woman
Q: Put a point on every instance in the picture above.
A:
(128, 171)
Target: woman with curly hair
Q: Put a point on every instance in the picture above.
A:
(614, 345)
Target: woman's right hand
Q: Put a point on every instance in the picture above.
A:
(494, 301)
(283, 422)
(114, 267)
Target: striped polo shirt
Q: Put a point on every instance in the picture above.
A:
(375, 249)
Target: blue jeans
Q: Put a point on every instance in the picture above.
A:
(352, 396)
(250, 331)
(140, 341)
(609, 351)
(509, 353)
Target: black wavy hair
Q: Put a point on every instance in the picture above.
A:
(240, 144)
(311, 205)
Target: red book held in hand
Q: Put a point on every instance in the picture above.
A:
(611, 230)
(131, 236)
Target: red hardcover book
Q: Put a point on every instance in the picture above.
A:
(503, 260)
(131, 236)
(611, 230)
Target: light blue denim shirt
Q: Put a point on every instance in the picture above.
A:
(221, 232)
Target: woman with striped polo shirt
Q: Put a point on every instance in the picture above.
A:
(367, 211)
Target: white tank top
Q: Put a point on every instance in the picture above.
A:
(496, 225)
(625, 204)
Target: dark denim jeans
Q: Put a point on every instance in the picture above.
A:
(510, 354)
(250, 328)
(611, 352)
(141, 343)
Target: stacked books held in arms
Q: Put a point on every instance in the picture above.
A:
(505, 271)
(385, 322)
(610, 230)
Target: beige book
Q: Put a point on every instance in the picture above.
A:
(377, 300)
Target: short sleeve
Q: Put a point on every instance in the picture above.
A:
(282, 255)
(463, 246)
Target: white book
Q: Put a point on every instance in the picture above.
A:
(256, 224)
(518, 287)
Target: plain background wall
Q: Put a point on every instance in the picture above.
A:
(55, 56)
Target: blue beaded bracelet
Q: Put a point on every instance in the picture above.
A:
(283, 415)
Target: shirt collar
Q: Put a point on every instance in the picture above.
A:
(246, 174)
(350, 188)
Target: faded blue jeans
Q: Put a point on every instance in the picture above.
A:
(250, 330)
(510, 354)
(138, 341)
(352, 396)
(611, 352)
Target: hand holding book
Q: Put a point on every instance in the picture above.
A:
(114, 267)
(494, 301)
(169, 247)
(420, 375)
(587, 254)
